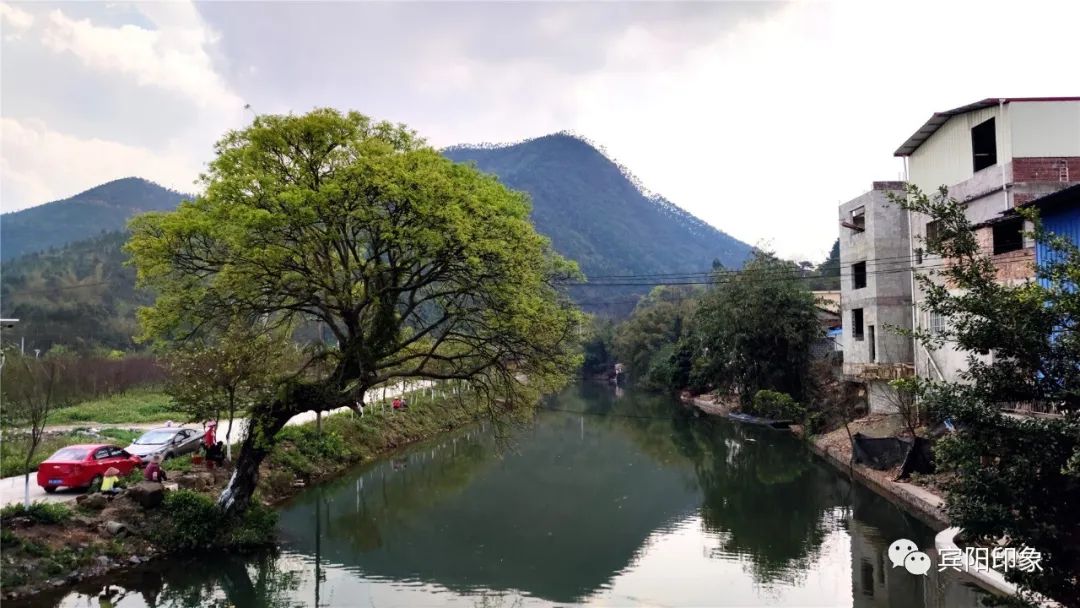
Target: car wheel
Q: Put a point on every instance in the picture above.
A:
(49, 489)
(95, 482)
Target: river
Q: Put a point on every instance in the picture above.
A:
(602, 500)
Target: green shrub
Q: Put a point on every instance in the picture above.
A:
(39, 512)
(256, 527)
(35, 548)
(775, 405)
(8, 540)
(193, 521)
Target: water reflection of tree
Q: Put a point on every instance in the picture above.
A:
(412, 484)
(256, 580)
(762, 495)
(260, 579)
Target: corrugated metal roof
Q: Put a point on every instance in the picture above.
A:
(939, 118)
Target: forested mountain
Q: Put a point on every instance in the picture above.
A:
(71, 285)
(79, 295)
(595, 213)
(104, 208)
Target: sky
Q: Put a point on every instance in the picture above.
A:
(758, 117)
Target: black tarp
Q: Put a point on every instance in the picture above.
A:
(919, 459)
(881, 453)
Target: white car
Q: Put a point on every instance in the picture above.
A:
(167, 442)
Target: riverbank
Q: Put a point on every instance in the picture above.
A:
(56, 546)
(835, 448)
(924, 503)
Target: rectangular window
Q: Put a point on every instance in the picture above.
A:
(871, 339)
(858, 275)
(858, 218)
(933, 233)
(856, 323)
(937, 323)
(984, 145)
(1008, 236)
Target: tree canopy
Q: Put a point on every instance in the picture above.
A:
(421, 268)
(756, 329)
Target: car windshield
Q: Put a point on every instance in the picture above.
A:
(70, 454)
(157, 437)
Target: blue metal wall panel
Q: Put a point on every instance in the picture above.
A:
(1064, 222)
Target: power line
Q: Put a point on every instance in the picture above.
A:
(885, 265)
(783, 275)
(722, 271)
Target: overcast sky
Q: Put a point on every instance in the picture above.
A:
(757, 117)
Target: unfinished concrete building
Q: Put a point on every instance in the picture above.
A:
(875, 286)
(992, 155)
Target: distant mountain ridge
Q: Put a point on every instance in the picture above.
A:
(63, 263)
(596, 212)
(103, 208)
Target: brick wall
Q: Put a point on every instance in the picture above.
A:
(1012, 266)
(1045, 168)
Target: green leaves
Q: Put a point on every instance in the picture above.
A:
(416, 266)
(758, 326)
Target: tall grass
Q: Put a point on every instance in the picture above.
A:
(135, 406)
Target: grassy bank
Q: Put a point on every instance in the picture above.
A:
(303, 453)
(37, 553)
(131, 407)
(14, 447)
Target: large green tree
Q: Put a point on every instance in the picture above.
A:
(755, 329)
(1016, 478)
(420, 268)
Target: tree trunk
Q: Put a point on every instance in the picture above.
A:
(262, 428)
(26, 466)
(228, 431)
(263, 425)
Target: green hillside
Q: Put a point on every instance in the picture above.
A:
(595, 213)
(104, 208)
(78, 295)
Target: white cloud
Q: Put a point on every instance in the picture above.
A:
(42, 165)
(172, 57)
(133, 92)
(15, 18)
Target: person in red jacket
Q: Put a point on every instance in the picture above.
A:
(153, 471)
(209, 439)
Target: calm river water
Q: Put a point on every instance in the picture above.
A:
(602, 500)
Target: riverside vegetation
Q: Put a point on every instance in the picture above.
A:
(51, 544)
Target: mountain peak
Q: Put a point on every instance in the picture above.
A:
(597, 212)
(102, 208)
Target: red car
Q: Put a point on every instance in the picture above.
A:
(79, 466)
